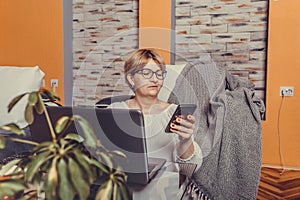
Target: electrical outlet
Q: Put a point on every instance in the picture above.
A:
(287, 91)
(54, 83)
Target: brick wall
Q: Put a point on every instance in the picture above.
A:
(104, 31)
(232, 32)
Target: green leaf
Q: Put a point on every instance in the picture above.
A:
(118, 153)
(29, 114)
(51, 180)
(52, 96)
(116, 194)
(88, 132)
(99, 165)
(2, 142)
(33, 98)
(44, 146)
(120, 176)
(66, 190)
(15, 101)
(11, 188)
(78, 179)
(83, 161)
(29, 194)
(107, 160)
(36, 163)
(39, 105)
(105, 190)
(5, 168)
(62, 123)
(75, 137)
(13, 128)
(124, 192)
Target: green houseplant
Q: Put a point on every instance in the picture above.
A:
(61, 168)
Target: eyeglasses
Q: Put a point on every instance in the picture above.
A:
(148, 73)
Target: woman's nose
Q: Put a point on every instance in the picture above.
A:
(154, 78)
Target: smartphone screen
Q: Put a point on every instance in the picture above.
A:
(183, 110)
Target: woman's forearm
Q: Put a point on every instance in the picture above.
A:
(185, 149)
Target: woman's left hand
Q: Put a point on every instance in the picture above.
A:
(184, 128)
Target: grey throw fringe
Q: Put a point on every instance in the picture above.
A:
(193, 192)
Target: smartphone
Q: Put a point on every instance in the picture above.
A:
(182, 109)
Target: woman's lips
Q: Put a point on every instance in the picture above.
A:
(153, 87)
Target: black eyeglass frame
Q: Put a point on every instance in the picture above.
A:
(141, 71)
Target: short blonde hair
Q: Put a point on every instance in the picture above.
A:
(139, 58)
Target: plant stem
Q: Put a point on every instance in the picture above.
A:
(48, 120)
(23, 141)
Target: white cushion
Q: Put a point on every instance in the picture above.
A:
(169, 82)
(13, 82)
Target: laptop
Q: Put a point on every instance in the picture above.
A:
(117, 129)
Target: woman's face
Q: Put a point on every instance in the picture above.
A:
(147, 86)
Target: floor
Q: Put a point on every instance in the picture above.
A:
(276, 185)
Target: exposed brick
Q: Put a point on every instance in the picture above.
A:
(247, 27)
(259, 16)
(237, 46)
(78, 1)
(246, 65)
(230, 37)
(257, 55)
(258, 46)
(183, 11)
(180, 3)
(78, 8)
(124, 5)
(240, 73)
(257, 75)
(259, 36)
(227, 8)
(183, 29)
(193, 38)
(209, 29)
(231, 32)
(206, 47)
(184, 57)
(182, 47)
(230, 56)
(193, 20)
(230, 18)
(78, 17)
(259, 84)
(231, 1)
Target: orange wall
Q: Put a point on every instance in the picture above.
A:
(31, 34)
(155, 25)
(283, 70)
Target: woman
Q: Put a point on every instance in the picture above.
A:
(145, 71)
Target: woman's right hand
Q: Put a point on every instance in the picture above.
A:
(184, 128)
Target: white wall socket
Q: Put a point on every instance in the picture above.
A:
(54, 83)
(287, 91)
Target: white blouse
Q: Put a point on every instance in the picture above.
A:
(159, 143)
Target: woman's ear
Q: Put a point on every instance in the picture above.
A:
(129, 78)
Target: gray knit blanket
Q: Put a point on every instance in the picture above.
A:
(229, 131)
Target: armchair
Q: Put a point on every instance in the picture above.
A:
(228, 129)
